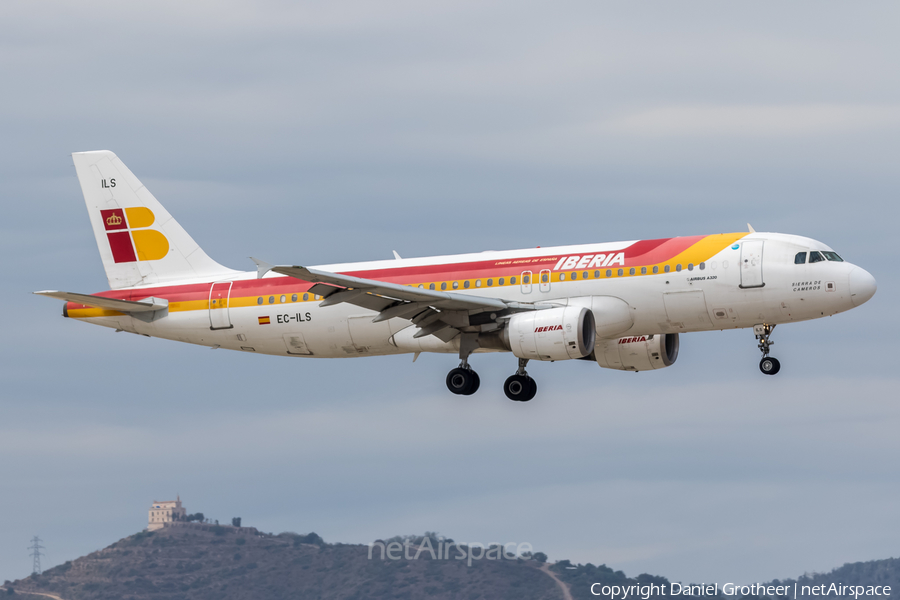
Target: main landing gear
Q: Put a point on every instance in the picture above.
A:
(464, 381)
(768, 365)
(520, 387)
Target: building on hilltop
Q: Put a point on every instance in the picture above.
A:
(165, 512)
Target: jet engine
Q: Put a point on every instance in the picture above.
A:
(638, 353)
(552, 334)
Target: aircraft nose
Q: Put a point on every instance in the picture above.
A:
(862, 286)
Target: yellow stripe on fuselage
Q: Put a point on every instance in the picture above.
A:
(706, 248)
(700, 252)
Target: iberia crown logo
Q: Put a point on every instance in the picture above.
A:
(129, 237)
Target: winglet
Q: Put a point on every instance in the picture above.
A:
(262, 267)
(750, 228)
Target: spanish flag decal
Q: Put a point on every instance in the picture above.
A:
(264, 320)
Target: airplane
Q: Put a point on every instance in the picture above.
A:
(622, 305)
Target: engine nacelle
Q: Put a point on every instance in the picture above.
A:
(552, 334)
(638, 353)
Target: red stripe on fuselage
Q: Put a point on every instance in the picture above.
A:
(640, 253)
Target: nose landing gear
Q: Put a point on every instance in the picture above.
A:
(768, 365)
(520, 387)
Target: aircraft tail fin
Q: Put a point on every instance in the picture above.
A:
(139, 241)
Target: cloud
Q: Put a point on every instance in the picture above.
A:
(754, 121)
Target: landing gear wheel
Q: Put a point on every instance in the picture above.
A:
(463, 381)
(520, 388)
(473, 387)
(769, 365)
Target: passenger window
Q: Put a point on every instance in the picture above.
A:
(490, 282)
(501, 280)
(666, 268)
(444, 285)
(631, 271)
(678, 268)
(621, 272)
(643, 270)
(466, 284)
(305, 297)
(526, 279)
(833, 256)
(455, 285)
(702, 266)
(271, 299)
(609, 272)
(596, 274)
(574, 276)
(815, 257)
(584, 275)
(800, 258)
(283, 299)
(430, 286)
(545, 278)
(562, 276)
(690, 266)
(259, 300)
(294, 298)
(655, 269)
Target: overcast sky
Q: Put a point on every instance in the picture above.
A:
(319, 132)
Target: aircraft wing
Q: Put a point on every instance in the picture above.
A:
(446, 300)
(124, 306)
(439, 313)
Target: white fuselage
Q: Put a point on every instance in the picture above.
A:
(730, 289)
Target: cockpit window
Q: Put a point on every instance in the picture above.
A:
(833, 256)
(800, 259)
(815, 257)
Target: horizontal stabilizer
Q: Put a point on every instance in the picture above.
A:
(125, 306)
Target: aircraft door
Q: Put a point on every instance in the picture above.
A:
(545, 280)
(219, 294)
(526, 282)
(752, 264)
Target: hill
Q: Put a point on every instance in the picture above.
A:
(871, 573)
(227, 563)
(200, 562)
